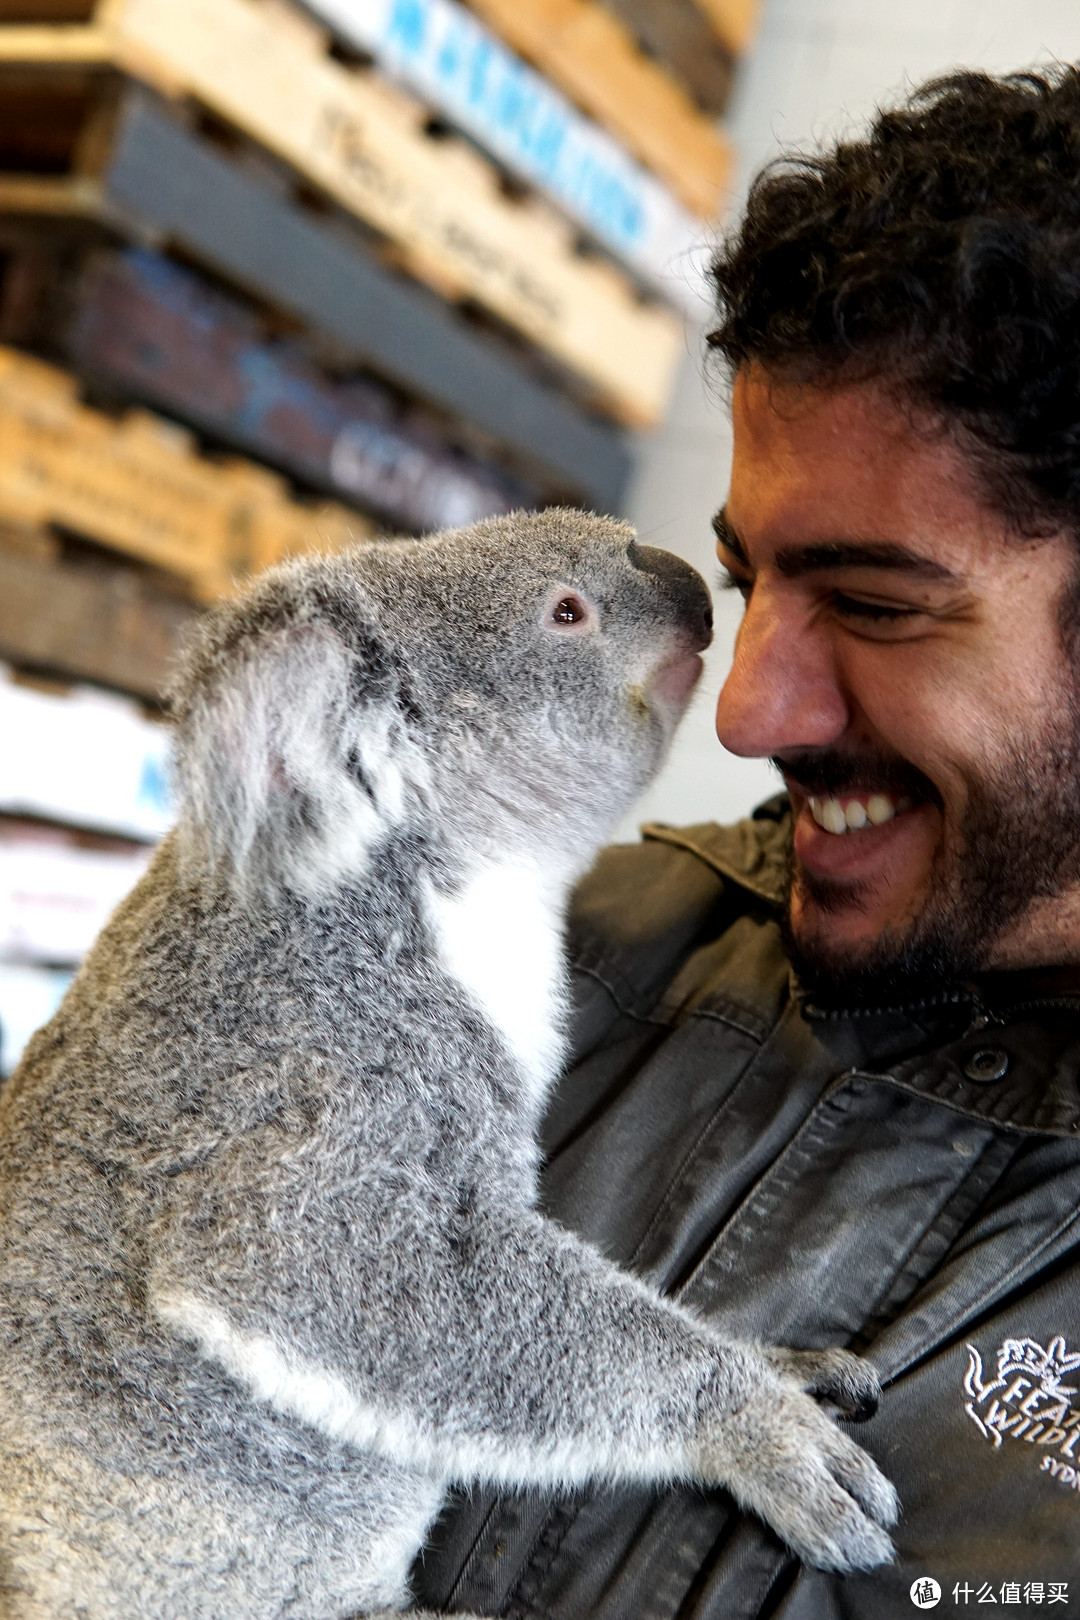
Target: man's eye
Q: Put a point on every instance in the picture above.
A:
(727, 581)
(853, 607)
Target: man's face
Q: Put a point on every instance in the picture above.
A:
(901, 660)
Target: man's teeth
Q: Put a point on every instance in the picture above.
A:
(838, 815)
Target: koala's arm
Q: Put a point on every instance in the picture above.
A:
(516, 1354)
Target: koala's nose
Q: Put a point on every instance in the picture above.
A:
(682, 584)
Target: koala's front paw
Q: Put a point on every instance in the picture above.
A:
(836, 1376)
(783, 1457)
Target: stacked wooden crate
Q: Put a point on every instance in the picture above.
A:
(278, 276)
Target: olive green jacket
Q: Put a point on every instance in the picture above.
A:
(901, 1180)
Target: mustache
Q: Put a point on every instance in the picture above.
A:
(831, 772)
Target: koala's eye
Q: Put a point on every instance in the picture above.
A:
(567, 610)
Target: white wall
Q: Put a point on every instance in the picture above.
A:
(819, 67)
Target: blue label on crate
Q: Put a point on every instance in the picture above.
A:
(450, 58)
(517, 114)
(153, 796)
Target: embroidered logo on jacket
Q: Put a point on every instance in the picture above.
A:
(1029, 1400)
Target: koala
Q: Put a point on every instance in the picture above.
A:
(273, 1273)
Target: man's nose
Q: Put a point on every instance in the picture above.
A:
(784, 690)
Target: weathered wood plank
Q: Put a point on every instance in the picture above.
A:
(68, 44)
(136, 484)
(683, 39)
(52, 11)
(734, 21)
(367, 147)
(77, 196)
(171, 183)
(592, 57)
(150, 328)
(161, 182)
(96, 620)
(461, 69)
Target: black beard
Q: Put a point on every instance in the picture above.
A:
(1021, 843)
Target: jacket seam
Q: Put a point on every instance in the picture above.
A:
(621, 1005)
(519, 1603)
(474, 1552)
(768, 1191)
(692, 1153)
(1065, 1133)
(997, 1291)
(1025, 1267)
(945, 1225)
(759, 1036)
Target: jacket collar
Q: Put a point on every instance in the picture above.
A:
(755, 854)
(751, 853)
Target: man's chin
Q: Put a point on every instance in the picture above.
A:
(887, 974)
(945, 890)
(845, 954)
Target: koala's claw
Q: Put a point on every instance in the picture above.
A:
(841, 1537)
(846, 1381)
(788, 1462)
(860, 1476)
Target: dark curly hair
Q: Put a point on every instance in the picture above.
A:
(941, 256)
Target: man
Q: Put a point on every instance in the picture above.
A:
(828, 1075)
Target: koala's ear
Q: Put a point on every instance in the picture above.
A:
(292, 761)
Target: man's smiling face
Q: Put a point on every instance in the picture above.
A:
(901, 660)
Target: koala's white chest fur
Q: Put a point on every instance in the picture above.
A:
(501, 940)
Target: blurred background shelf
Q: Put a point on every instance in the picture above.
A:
(595, 59)
(140, 485)
(733, 21)
(71, 610)
(134, 324)
(278, 277)
(82, 758)
(161, 183)
(685, 42)
(481, 88)
(58, 888)
(369, 148)
(83, 798)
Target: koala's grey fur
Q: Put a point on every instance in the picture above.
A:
(272, 1269)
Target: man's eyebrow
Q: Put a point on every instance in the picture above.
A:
(729, 539)
(791, 561)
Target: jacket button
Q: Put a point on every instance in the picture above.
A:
(988, 1063)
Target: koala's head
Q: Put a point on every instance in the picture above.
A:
(507, 688)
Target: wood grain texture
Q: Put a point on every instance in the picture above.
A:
(592, 56)
(138, 485)
(152, 330)
(367, 146)
(163, 182)
(682, 38)
(95, 620)
(733, 21)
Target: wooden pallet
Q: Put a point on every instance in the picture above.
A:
(163, 182)
(733, 21)
(138, 485)
(366, 147)
(679, 36)
(592, 56)
(472, 80)
(152, 331)
(88, 618)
